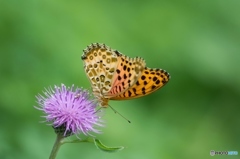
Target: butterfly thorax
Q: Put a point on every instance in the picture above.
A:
(100, 98)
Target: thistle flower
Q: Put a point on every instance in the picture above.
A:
(70, 110)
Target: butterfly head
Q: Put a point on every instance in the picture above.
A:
(104, 102)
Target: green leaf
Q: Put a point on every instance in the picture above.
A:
(105, 148)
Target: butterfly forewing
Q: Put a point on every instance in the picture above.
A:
(150, 81)
(127, 73)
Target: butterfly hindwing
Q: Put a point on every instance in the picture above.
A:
(100, 67)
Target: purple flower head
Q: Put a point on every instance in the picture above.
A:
(70, 110)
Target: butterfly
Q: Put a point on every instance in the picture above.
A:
(114, 76)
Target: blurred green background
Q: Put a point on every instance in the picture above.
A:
(196, 41)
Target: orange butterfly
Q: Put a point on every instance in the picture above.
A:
(114, 76)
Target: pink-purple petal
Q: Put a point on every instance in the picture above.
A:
(71, 108)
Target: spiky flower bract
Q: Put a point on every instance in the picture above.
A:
(71, 110)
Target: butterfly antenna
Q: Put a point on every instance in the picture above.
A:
(98, 110)
(115, 111)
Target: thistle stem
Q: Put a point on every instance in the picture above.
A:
(56, 146)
